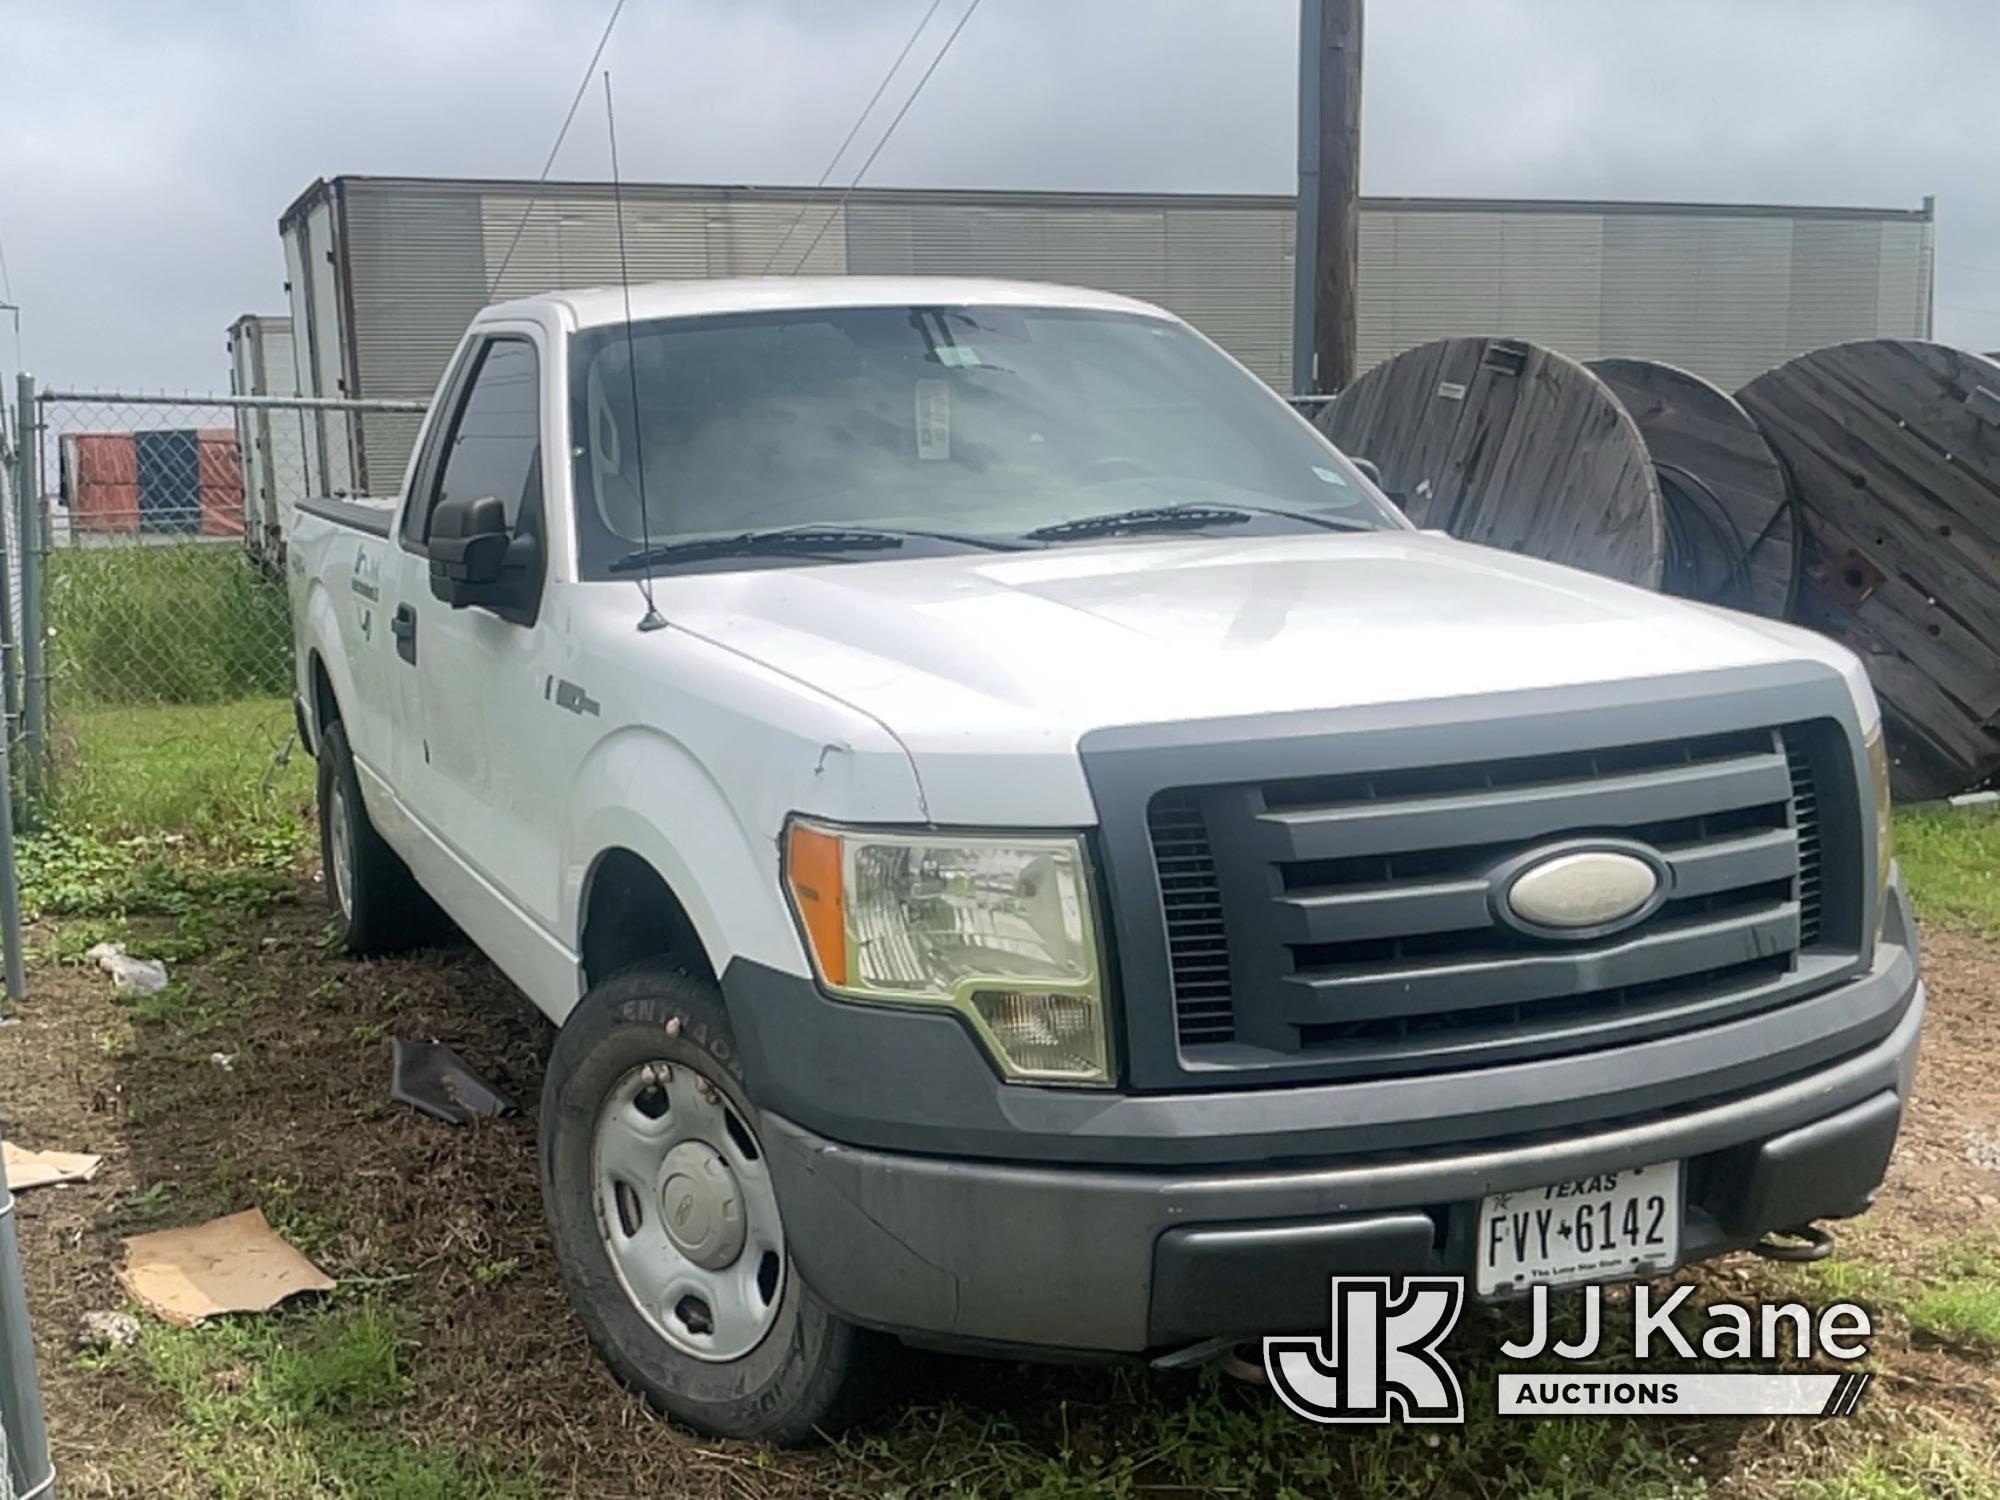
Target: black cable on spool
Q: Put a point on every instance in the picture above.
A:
(1691, 505)
(1788, 512)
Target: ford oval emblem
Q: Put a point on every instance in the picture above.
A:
(1582, 892)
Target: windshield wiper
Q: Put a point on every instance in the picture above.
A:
(1311, 518)
(804, 539)
(754, 543)
(1183, 518)
(1144, 518)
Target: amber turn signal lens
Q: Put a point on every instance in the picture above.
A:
(812, 869)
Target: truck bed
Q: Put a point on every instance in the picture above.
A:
(369, 513)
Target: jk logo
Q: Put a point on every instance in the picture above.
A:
(1379, 1360)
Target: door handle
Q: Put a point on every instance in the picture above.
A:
(403, 626)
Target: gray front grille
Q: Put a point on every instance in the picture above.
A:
(1806, 824)
(1352, 916)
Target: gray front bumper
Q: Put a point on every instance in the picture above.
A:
(1089, 1258)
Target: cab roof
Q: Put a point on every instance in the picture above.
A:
(592, 307)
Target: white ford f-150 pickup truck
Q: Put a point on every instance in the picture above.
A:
(1028, 850)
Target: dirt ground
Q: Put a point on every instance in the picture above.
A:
(446, 1224)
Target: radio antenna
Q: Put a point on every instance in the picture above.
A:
(651, 619)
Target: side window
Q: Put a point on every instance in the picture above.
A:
(495, 446)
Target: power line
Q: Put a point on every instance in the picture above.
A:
(583, 84)
(914, 93)
(12, 310)
(859, 120)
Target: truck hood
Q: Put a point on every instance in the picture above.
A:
(1020, 654)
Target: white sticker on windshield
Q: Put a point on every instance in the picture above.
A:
(1330, 476)
(933, 419)
(958, 356)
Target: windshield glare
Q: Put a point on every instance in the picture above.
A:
(985, 422)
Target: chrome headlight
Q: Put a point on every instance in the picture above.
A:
(999, 928)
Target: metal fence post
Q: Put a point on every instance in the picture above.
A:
(10, 890)
(10, 687)
(25, 1472)
(33, 543)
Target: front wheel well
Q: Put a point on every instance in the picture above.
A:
(325, 707)
(631, 914)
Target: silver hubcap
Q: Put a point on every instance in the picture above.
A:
(687, 1212)
(341, 828)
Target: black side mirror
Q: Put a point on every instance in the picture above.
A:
(476, 560)
(468, 541)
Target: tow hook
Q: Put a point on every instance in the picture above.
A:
(1803, 1243)
(1240, 1359)
(1245, 1362)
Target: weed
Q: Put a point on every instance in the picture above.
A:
(296, 1213)
(1221, 1439)
(183, 781)
(1961, 1310)
(1934, 1465)
(169, 1005)
(68, 873)
(292, 1407)
(194, 623)
(181, 1007)
(1850, 1278)
(493, 1272)
(150, 1201)
(67, 944)
(355, 1364)
(383, 1464)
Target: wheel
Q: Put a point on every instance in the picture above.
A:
(666, 1224)
(377, 904)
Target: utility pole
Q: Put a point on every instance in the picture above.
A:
(1328, 238)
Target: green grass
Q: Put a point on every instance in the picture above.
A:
(179, 812)
(301, 1405)
(1932, 1467)
(210, 769)
(1226, 1439)
(1951, 859)
(204, 887)
(1964, 1310)
(1951, 1295)
(187, 622)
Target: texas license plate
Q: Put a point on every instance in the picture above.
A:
(1604, 1227)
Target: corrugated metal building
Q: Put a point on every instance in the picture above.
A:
(261, 363)
(384, 273)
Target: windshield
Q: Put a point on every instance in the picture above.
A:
(961, 425)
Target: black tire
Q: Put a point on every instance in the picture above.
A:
(813, 1372)
(378, 907)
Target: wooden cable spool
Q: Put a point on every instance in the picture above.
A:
(1728, 510)
(1893, 448)
(1509, 444)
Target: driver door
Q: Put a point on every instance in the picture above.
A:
(469, 767)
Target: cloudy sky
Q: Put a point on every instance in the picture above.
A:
(148, 148)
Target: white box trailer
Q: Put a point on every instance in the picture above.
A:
(271, 443)
(384, 273)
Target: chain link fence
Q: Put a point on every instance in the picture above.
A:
(25, 1473)
(154, 564)
(164, 525)
(142, 543)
